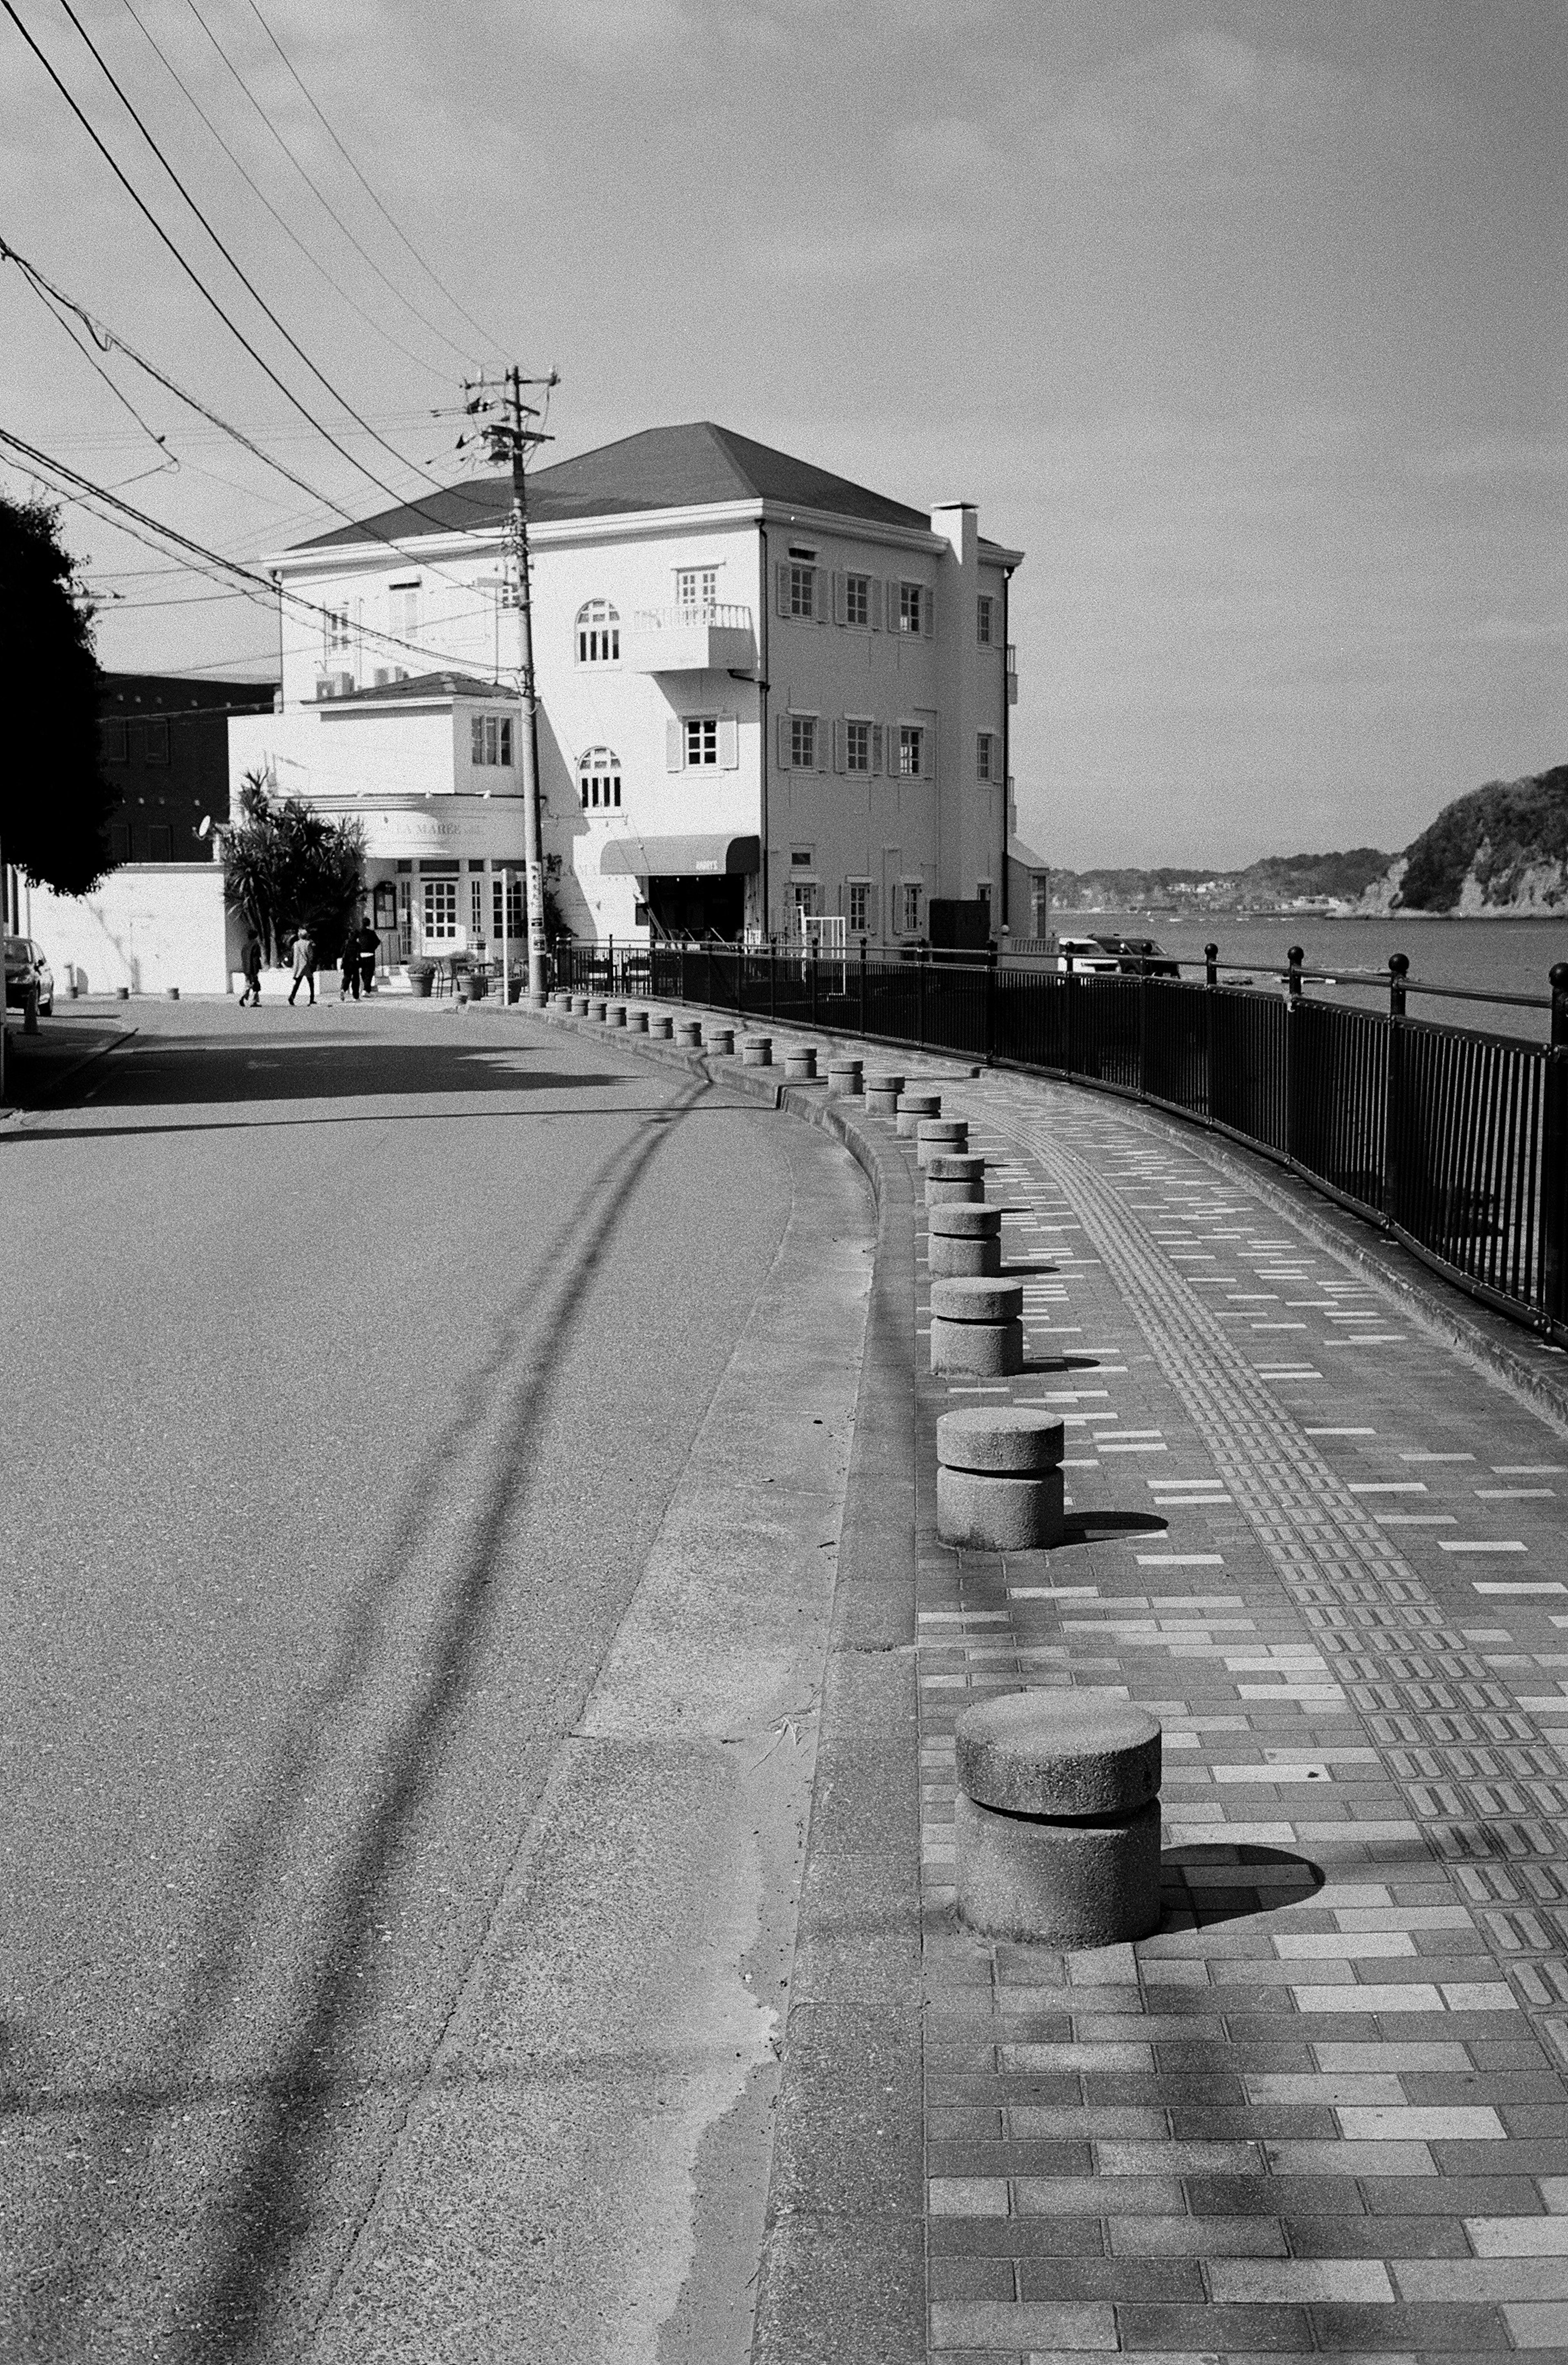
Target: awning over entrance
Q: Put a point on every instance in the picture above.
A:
(680, 858)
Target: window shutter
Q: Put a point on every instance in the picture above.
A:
(781, 576)
(873, 914)
(928, 612)
(821, 595)
(874, 600)
(729, 743)
(783, 742)
(839, 610)
(839, 752)
(893, 606)
(876, 747)
(673, 745)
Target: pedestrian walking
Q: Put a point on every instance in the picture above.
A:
(369, 942)
(304, 966)
(348, 967)
(250, 964)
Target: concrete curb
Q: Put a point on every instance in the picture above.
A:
(842, 2271)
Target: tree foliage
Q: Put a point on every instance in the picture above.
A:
(54, 800)
(286, 867)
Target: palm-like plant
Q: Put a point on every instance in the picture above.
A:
(286, 867)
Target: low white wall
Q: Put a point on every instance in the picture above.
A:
(149, 926)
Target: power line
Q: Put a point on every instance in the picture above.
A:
(258, 192)
(245, 281)
(393, 225)
(109, 340)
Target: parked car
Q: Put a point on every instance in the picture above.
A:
(1081, 953)
(25, 966)
(1140, 956)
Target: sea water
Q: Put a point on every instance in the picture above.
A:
(1472, 957)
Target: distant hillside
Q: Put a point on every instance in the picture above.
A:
(1503, 847)
(1500, 850)
(1278, 879)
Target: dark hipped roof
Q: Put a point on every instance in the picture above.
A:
(660, 468)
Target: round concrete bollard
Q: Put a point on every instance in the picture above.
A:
(579, 1005)
(616, 1015)
(173, 992)
(949, 1135)
(122, 993)
(690, 1034)
(598, 1011)
(756, 1051)
(977, 1326)
(661, 1025)
(1057, 1820)
(801, 1067)
(535, 1001)
(722, 1040)
(882, 1094)
(912, 1108)
(637, 1022)
(999, 1482)
(953, 1182)
(963, 1242)
(843, 1078)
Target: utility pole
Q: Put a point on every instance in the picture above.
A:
(510, 438)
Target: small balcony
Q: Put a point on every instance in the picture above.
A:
(709, 637)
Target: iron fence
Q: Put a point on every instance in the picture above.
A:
(1453, 1141)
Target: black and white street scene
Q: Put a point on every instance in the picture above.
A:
(784, 1182)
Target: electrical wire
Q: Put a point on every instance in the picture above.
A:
(204, 560)
(108, 341)
(392, 224)
(315, 261)
(245, 281)
(318, 194)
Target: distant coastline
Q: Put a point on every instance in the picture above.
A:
(1499, 853)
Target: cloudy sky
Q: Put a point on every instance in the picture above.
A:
(1247, 322)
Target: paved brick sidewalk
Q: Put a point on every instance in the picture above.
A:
(1324, 2110)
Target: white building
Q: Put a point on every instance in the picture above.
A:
(764, 692)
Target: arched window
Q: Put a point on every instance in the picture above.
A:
(599, 634)
(599, 779)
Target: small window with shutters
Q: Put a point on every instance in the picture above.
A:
(985, 755)
(857, 747)
(859, 914)
(910, 751)
(984, 629)
(803, 743)
(858, 601)
(115, 744)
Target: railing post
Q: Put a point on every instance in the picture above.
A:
(990, 991)
(1393, 1097)
(708, 957)
(1210, 980)
(814, 946)
(611, 945)
(1555, 1158)
(1143, 1026)
(683, 992)
(772, 979)
(1069, 1028)
(1296, 957)
(862, 985)
(920, 958)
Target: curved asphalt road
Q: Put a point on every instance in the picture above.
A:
(354, 1361)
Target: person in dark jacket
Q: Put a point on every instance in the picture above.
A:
(250, 964)
(369, 942)
(348, 967)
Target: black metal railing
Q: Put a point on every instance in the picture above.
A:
(1452, 1139)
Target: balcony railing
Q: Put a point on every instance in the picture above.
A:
(702, 636)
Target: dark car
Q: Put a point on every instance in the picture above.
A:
(1140, 956)
(25, 966)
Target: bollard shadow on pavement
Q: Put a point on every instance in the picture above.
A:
(1203, 1885)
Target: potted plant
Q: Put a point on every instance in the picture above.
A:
(420, 974)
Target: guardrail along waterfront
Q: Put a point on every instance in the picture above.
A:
(1452, 1139)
